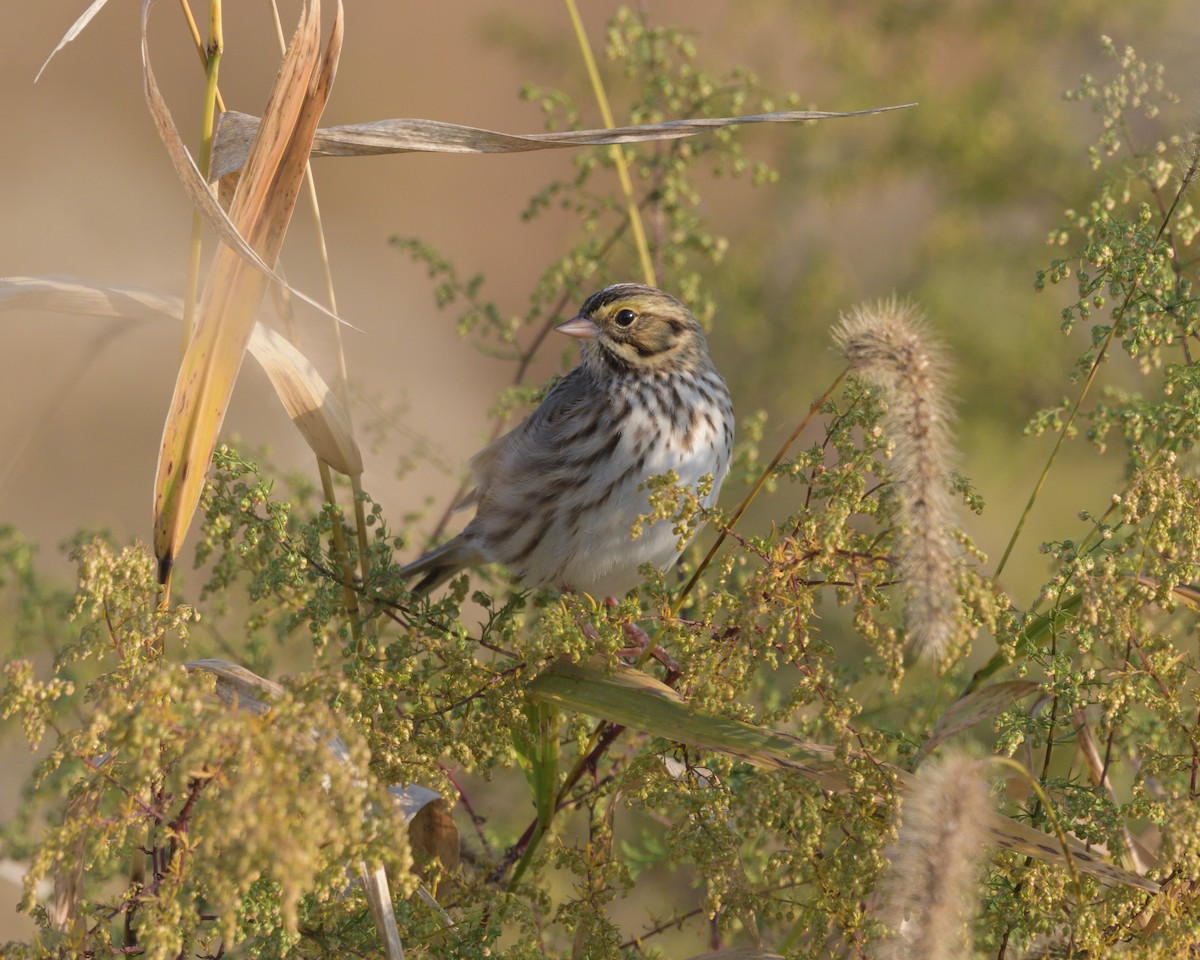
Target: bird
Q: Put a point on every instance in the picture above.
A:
(556, 498)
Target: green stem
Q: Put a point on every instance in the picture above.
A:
(618, 155)
(1062, 435)
(757, 488)
(211, 56)
(1051, 815)
(1188, 177)
(341, 557)
(543, 776)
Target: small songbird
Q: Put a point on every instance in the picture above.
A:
(557, 497)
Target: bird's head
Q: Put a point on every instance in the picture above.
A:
(630, 327)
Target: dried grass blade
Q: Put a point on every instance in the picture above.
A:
(75, 30)
(637, 700)
(315, 410)
(235, 132)
(244, 689)
(313, 406)
(88, 298)
(193, 182)
(1139, 857)
(261, 210)
(68, 872)
(238, 686)
(982, 704)
(379, 900)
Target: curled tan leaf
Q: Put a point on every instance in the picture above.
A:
(432, 832)
(238, 686)
(313, 407)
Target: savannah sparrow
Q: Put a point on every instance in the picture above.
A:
(557, 497)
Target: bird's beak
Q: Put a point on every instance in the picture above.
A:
(580, 326)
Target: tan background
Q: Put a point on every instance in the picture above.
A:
(85, 190)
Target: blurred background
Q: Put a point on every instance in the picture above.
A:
(949, 202)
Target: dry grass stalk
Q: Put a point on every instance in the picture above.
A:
(1140, 858)
(235, 131)
(888, 346)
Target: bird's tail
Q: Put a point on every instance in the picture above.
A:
(441, 563)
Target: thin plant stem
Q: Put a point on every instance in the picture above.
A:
(598, 731)
(725, 531)
(1051, 816)
(756, 490)
(1185, 182)
(1062, 435)
(199, 42)
(618, 155)
(761, 482)
(342, 380)
(340, 556)
(210, 56)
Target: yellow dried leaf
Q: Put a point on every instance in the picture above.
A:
(261, 210)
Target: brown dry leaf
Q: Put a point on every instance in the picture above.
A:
(313, 406)
(261, 210)
(235, 131)
(432, 832)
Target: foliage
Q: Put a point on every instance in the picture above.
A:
(174, 824)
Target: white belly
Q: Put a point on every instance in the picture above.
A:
(598, 554)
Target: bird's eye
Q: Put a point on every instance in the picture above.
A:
(625, 317)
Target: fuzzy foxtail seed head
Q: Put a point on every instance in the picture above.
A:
(932, 887)
(888, 345)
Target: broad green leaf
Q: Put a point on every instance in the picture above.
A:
(636, 700)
